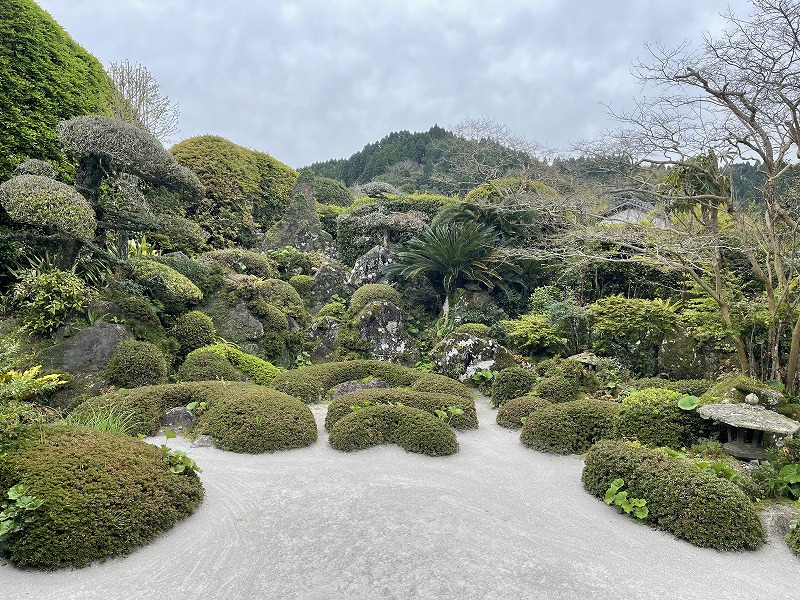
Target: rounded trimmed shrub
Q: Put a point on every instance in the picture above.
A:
(281, 294)
(693, 387)
(166, 285)
(257, 419)
(429, 402)
(557, 388)
(512, 383)
(302, 283)
(431, 382)
(570, 427)
(371, 292)
(194, 330)
(207, 277)
(139, 309)
(103, 495)
(256, 369)
(512, 413)
(135, 364)
(412, 429)
(205, 365)
(690, 503)
(653, 417)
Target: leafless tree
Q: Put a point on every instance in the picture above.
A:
(137, 99)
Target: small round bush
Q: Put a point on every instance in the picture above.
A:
(337, 310)
(512, 413)
(512, 383)
(205, 365)
(256, 420)
(693, 387)
(194, 330)
(166, 285)
(653, 417)
(103, 495)
(412, 429)
(371, 292)
(430, 402)
(302, 283)
(557, 388)
(431, 382)
(281, 294)
(570, 427)
(139, 309)
(135, 364)
(207, 277)
(474, 329)
(690, 503)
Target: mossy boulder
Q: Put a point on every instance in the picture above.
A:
(683, 499)
(380, 324)
(103, 495)
(371, 292)
(735, 388)
(515, 411)
(570, 427)
(412, 429)
(462, 355)
(428, 401)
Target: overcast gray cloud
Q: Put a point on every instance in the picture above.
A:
(309, 80)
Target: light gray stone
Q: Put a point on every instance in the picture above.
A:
(750, 417)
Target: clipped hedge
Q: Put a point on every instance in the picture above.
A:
(512, 383)
(683, 499)
(194, 330)
(166, 285)
(135, 364)
(693, 387)
(312, 382)
(513, 411)
(653, 417)
(256, 369)
(255, 419)
(206, 365)
(412, 429)
(103, 495)
(429, 402)
(570, 427)
(557, 388)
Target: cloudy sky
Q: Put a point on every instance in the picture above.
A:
(309, 80)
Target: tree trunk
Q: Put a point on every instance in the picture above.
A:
(794, 355)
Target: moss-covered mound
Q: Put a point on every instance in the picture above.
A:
(570, 427)
(653, 417)
(194, 330)
(512, 413)
(557, 388)
(735, 388)
(255, 419)
(312, 382)
(683, 499)
(512, 383)
(166, 285)
(102, 495)
(693, 387)
(430, 402)
(412, 429)
(136, 364)
(206, 365)
(369, 293)
(254, 368)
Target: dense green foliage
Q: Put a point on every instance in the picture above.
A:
(557, 388)
(693, 387)
(206, 365)
(683, 499)
(245, 262)
(533, 335)
(412, 429)
(205, 276)
(165, 284)
(135, 364)
(257, 419)
(47, 77)
(570, 427)
(653, 417)
(331, 192)
(46, 301)
(256, 369)
(427, 401)
(514, 412)
(512, 383)
(245, 189)
(194, 330)
(102, 495)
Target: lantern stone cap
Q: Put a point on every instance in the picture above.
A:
(750, 417)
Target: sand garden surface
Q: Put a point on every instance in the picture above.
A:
(495, 520)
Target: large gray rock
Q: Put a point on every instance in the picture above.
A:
(323, 333)
(87, 351)
(178, 419)
(329, 280)
(381, 324)
(461, 355)
(235, 323)
(370, 268)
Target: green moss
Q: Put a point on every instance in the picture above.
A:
(690, 503)
(256, 369)
(693, 387)
(512, 413)
(135, 364)
(302, 283)
(474, 329)
(512, 383)
(204, 365)
(653, 417)
(427, 401)
(431, 382)
(256, 420)
(371, 292)
(337, 310)
(194, 330)
(557, 388)
(570, 427)
(736, 387)
(165, 284)
(136, 308)
(103, 495)
(412, 429)
(207, 277)
(244, 262)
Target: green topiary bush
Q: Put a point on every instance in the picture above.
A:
(257, 419)
(207, 277)
(102, 495)
(256, 369)
(337, 310)
(302, 283)
(46, 301)
(570, 427)
(557, 388)
(412, 429)
(512, 413)
(427, 401)
(653, 417)
(165, 284)
(693, 387)
(371, 292)
(474, 329)
(137, 308)
(512, 383)
(135, 364)
(205, 365)
(245, 262)
(683, 499)
(431, 382)
(194, 330)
